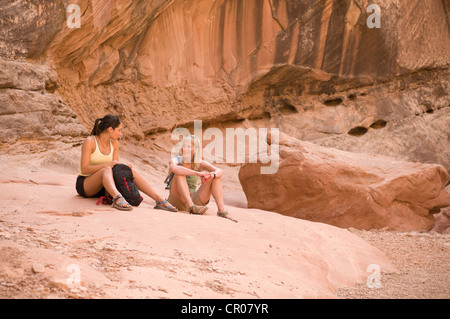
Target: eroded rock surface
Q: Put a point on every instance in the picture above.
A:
(346, 189)
(315, 69)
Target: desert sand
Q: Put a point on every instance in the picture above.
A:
(56, 244)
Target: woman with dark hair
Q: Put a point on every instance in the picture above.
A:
(99, 154)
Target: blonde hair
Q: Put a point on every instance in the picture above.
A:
(193, 141)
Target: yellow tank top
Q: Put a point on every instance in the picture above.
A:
(97, 157)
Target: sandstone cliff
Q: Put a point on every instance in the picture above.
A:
(314, 68)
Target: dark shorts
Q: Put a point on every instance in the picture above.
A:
(80, 188)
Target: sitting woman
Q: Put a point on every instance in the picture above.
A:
(99, 154)
(185, 170)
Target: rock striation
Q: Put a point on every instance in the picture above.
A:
(29, 108)
(317, 69)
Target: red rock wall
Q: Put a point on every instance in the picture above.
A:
(314, 68)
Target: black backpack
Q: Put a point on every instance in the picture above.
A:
(124, 180)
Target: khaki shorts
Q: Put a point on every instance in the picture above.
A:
(175, 201)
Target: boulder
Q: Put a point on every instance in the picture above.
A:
(442, 220)
(347, 190)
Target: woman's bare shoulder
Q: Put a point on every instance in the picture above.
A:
(89, 142)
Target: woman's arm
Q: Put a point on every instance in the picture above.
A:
(115, 144)
(86, 151)
(180, 170)
(115, 161)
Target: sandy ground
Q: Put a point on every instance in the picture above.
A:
(55, 244)
(422, 262)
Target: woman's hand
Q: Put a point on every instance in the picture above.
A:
(112, 163)
(207, 176)
(203, 176)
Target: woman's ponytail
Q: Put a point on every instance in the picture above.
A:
(96, 129)
(104, 123)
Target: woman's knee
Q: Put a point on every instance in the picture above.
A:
(177, 177)
(107, 170)
(179, 183)
(134, 172)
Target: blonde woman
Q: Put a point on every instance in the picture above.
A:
(185, 170)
